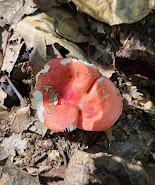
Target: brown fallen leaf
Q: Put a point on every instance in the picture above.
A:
(38, 127)
(116, 12)
(2, 108)
(5, 35)
(11, 145)
(13, 48)
(68, 24)
(39, 33)
(53, 176)
(105, 69)
(4, 114)
(21, 120)
(14, 10)
(12, 175)
(45, 5)
(39, 169)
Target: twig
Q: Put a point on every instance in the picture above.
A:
(40, 157)
(63, 156)
(16, 91)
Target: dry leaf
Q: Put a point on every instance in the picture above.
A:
(38, 33)
(4, 115)
(116, 11)
(11, 175)
(14, 10)
(21, 121)
(3, 95)
(55, 172)
(37, 170)
(45, 5)
(68, 25)
(38, 128)
(2, 108)
(5, 36)
(13, 48)
(12, 144)
(54, 155)
(105, 70)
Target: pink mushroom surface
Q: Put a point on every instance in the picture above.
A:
(71, 92)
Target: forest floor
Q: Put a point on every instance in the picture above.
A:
(31, 154)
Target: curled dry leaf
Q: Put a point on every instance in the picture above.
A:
(116, 11)
(38, 33)
(69, 26)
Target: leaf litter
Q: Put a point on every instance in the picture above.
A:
(12, 145)
(40, 31)
(55, 158)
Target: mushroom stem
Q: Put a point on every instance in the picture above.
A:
(16, 91)
(108, 132)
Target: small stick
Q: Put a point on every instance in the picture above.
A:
(63, 156)
(40, 157)
(16, 91)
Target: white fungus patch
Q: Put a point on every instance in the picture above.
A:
(85, 63)
(37, 102)
(46, 69)
(65, 61)
(100, 79)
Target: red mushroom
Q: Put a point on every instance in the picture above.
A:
(69, 92)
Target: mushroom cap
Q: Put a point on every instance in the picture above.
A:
(71, 92)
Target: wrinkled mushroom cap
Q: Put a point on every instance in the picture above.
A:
(69, 92)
